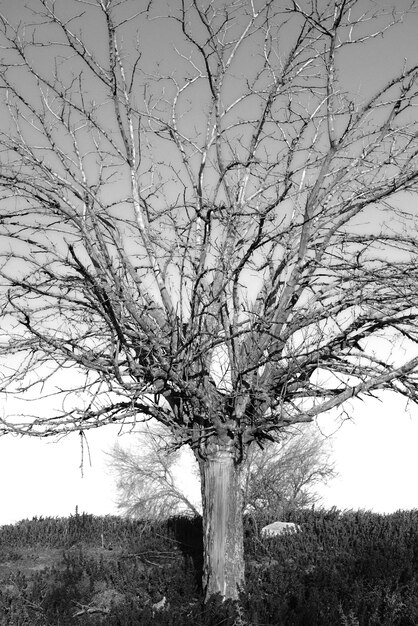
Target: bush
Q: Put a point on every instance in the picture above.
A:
(348, 569)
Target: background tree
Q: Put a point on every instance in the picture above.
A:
(147, 477)
(206, 218)
(152, 482)
(284, 476)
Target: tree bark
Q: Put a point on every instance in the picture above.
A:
(223, 537)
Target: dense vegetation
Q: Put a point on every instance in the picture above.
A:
(351, 568)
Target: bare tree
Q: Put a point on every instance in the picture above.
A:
(147, 479)
(282, 477)
(205, 220)
(279, 477)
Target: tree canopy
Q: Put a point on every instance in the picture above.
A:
(220, 232)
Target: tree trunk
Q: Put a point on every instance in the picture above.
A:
(223, 537)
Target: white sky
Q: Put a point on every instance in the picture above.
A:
(376, 459)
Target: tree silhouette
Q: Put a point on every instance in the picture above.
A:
(147, 477)
(284, 476)
(205, 220)
(152, 479)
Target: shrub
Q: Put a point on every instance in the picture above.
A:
(348, 569)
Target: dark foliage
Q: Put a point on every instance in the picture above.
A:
(348, 569)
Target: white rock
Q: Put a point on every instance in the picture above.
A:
(279, 528)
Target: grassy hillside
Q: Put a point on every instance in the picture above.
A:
(342, 568)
